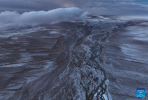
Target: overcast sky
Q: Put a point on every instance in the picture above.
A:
(100, 7)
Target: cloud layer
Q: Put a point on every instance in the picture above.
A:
(118, 8)
(42, 17)
(100, 7)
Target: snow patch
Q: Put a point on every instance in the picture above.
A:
(132, 18)
(14, 65)
(105, 97)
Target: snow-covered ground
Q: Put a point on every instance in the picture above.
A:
(126, 62)
(74, 60)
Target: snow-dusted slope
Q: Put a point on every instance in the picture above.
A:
(63, 61)
(126, 62)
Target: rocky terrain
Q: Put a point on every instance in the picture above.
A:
(63, 61)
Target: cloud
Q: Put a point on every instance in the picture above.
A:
(42, 17)
(118, 8)
(102, 7)
(36, 5)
